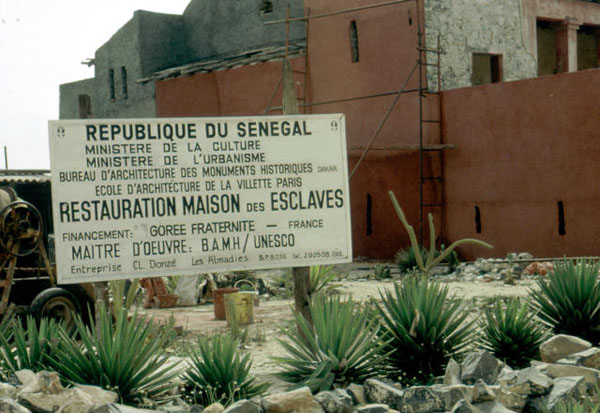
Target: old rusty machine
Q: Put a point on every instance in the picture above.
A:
(27, 273)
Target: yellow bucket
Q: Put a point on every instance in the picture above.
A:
(240, 306)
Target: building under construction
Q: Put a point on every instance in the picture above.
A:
(480, 112)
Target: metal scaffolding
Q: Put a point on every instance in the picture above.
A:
(425, 181)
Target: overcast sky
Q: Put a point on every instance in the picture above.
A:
(42, 44)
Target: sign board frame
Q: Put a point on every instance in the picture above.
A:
(139, 198)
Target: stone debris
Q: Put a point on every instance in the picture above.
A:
(379, 392)
(357, 392)
(511, 268)
(300, 400)
(560, 346)
(482, 392)
(591, 376)
(452, 374)
(586, 358)
(214, 408)
(530, 381)
(480, 365)
(481, 384)
(243, 406)
(336, 401)
(565, 389)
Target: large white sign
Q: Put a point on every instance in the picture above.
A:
(144, 197)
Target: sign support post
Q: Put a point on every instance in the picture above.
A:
(301, 275)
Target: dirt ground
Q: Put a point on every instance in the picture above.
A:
(271, 314)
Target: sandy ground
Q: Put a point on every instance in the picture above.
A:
(269, 315)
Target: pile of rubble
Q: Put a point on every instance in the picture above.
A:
(569, 371)
(515, 266)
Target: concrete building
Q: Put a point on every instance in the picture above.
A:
(462, 156)
(151, 42)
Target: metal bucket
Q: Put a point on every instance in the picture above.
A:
(254, 291)
(219, 301)
(240, 307)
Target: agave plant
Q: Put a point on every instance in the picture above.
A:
(321, 277)
(341, 347)
(569, 299)
(512, 332)
(575, 406)
(123, 297)
(26, 347)
(126, 356)
(218, 373)
(424, 326)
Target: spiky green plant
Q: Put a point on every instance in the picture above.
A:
(452, 260)
(569, 299)
(341, 347)
(219, 373)
(117, 292)
(425, 327)
(512, 332)
(433, 257)
(406, 259)
(321, 277)
(126, 356)
(382, 272)
(575, 406)
(27, 347)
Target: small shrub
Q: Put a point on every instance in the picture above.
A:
(126, 356)
(425, 328)
(382, 272)
(285, 284)
(569, 299)
(341, 347)
(452, 260)
(27, 347)
(218, 373)
(406, 259)
(512, 333)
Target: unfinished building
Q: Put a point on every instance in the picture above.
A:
(508, 161)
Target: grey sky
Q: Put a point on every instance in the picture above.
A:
(42, 43)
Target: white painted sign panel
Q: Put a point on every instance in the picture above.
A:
(145, 197)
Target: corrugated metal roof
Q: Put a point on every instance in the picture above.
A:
(8, 176)
(250, 57)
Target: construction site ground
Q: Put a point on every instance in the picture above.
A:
(270, 315)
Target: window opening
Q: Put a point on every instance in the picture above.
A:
(85, 107)
(111, 83)
(124, 81)
(477, 220)
(587, 47)
(487, 68)
(369, 215)
(266, 7)
(354, 41)
(561, 219)
(547, 50)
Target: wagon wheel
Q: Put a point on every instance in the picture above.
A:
(20, 228)
(10, 263)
